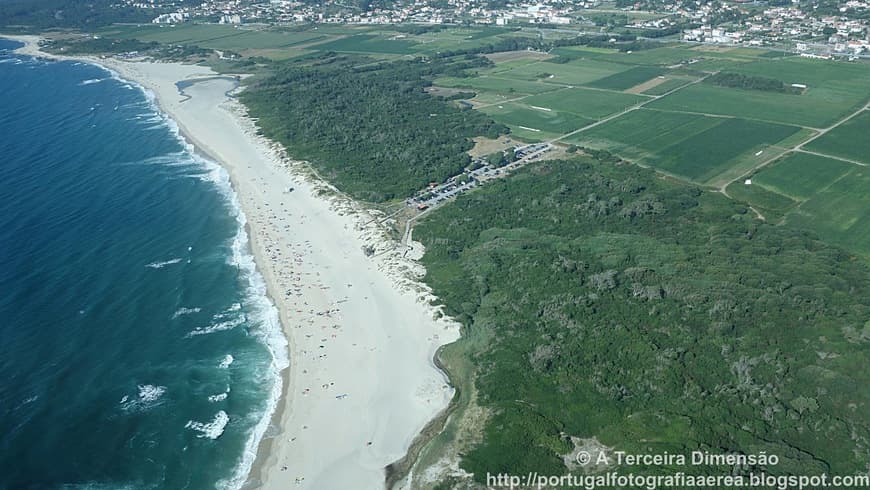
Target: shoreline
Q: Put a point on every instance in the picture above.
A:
(373, 356)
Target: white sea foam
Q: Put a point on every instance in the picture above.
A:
(210, 430)
(148, 396)
(150, 393)
(27, 401)
(185, 311)
(216, 327)
(160, 265)
(261, 313)
(226, 361)
(265, 316)
(91, 81)
(217, 398)
(220, 396)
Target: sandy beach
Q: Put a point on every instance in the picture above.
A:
(362, 335)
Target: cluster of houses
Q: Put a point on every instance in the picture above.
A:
(818, 34)
(334, 11)
(808, 33)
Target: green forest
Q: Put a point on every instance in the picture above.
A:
(369, 127)
(600, 300)
(750, 82)
(36, 15)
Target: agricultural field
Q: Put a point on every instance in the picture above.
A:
(658, 56)
(713, 151)
(833, 91)
(497, 85)
(535, 123)
(369, 43)
(216, 36)
(704, 133)
(691, 146)
(772, 205)
(799, 176)
(629, 78)
(840, 212)
(461, 38)
(850, 140)
(667, 84)
(813, 192)
(593, 104)
(576, 72)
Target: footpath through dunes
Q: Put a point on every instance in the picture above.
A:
(362, 383)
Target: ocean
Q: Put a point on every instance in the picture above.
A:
(138, 348)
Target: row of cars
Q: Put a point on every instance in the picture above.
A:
(479, 172)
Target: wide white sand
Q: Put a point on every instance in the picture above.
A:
(361, 383)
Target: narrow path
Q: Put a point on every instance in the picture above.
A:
(832, 157)
(728, 116)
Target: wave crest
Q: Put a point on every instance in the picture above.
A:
(210, 430)
(160, 265)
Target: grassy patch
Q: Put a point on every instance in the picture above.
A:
(520, 115)
(642, 134)
(840, 213)
(593, 104)
(834, 90)
(576, 72)
(628, 79)
(670, 84)
(692, 146)
(771, 204)
(708, 153)
(497, 85)
(849, 140)
(369, 43)
(800, 175)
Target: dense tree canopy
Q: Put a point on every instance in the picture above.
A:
(370, 127)
(653, 316)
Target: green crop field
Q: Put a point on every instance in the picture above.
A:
(657, 56)
(772, 205)
(850, 140)
(669, 84)
(834, 90)
(552, 123)
(593, 104)
(459, 38)
(643, 134)
(369, 43)
(216, 36)
(711, 152)
(576, 72)
(800, 176)
(497, 85)
(182, 33)
(627, 79)
(839, 213)
(841, 76)
(755, 104)
(692, 146)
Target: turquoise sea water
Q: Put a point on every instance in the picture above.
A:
(137, 347)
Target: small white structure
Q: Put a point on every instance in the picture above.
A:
(748, 181)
